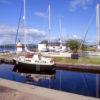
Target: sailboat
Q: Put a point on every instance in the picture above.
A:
(32, 61)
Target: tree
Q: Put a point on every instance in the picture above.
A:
(75, 45)
(44, 42)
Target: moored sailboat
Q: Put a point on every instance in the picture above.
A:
(32, 61)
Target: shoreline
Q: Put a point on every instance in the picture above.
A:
(79, 67)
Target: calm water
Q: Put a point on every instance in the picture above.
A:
(74, 82)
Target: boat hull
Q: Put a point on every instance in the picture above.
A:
(31, 68)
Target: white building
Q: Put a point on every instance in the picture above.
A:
(51, 48)
(19, 47)
(56, 48)
(63, 49)
(42, 47)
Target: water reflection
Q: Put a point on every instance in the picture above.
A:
(34, 69)
(74, 82)
(97, 85)
(34, 75)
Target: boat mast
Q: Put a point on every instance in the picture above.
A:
(24, 18)
(60, 29)
(98, 47)
(49, 22)
(97, 26)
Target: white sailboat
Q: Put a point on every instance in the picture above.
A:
(32, 61)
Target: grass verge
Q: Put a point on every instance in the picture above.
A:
(81, 60)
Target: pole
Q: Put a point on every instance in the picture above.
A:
(97, 25)
(60, 27)
(49, 22)
(24, 18)
(60, 36)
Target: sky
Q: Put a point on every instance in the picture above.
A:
(75, 15)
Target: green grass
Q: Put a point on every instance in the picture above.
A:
(81, 60)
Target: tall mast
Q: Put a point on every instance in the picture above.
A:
(24, 18)
(98, 40)
(60, 35)
(49, 22)
(97, 25)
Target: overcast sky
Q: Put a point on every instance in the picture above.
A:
(75, 16)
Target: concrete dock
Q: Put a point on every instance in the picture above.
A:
(79, 67)
(10, 90)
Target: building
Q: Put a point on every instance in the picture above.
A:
(52, 47)
(56, 48)
(19, 47)
(42, 47)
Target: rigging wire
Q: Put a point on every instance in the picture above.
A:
(88, 27)
(80, 49)
(86, 83)
(18, 25)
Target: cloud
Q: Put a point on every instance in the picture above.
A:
(83, 4)
(8, 34)
(40, 14)
(9, 30)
